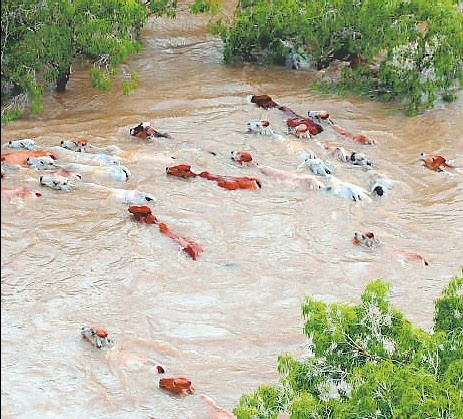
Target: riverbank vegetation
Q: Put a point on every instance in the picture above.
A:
(41, 41)
(407, 51)
(368, 361)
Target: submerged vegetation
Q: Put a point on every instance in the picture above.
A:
(407, 51)
(368, 361)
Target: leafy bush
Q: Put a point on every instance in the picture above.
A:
(130, 85)
(41, 40)
(367, 360)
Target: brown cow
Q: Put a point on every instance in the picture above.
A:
(20, 157)
(177, 385)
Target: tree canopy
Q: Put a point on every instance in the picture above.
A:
(369, 361)
(402, 50)
(41, 40)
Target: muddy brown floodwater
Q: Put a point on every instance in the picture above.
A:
(78, 259)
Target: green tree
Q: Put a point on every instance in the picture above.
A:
(409, 51)
(41, 40)
(368, 361)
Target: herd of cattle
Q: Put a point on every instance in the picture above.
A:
(66, 166)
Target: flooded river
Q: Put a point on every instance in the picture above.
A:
(78, 259)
